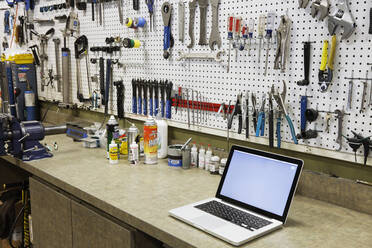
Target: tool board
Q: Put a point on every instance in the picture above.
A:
(211, 79)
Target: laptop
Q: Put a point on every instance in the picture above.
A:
(252, 199)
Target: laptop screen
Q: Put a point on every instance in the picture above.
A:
(261, 181)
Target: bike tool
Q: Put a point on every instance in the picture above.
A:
(151, 98)
(325, 77)
(280, 100)
(134, 96)
(162, 85)
(250, 34)
(246, 115)
(168, 113)
(307, 47)
(271, 121)
(260, 130)
(269, 34)
(136, 4)
(102, 79)
(150, 6)
(166, 11)
(139, 91)
(237, 111)
(81, 48)
(230, 37)
(261, 29)
(255, 111)
(244, 36)
(156, 96)
(303, 111)
(145, 87)
(108, 83)
(120, 98)
(278, 124)
(237, 31)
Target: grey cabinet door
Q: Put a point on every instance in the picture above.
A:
(51, 217)
(91, 230)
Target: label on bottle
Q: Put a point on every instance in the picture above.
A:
(150, 140)
(113, 153)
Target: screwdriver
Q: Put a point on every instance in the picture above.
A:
(230, 36)
(250, 33)
(245, 37)
(237, 30)
(261, 28)
(269, 34)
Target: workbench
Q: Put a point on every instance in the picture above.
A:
(141, 196)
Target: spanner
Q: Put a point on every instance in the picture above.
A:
(203, 5)
(192, 9)
(215, 37)
(215, 56)
(321, 6)
(181, 21)
(340, 116)
(341, 16)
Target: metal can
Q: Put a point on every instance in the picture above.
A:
(150, 140)
(132, 135)
(186, 157)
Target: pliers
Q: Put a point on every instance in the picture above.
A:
(261, 119)
(237, 111)
(280, 100)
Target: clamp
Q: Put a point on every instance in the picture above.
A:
(325, 77)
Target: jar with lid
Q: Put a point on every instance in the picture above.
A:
(222, 165)
(214, 164)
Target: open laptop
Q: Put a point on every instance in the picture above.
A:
(252, 199)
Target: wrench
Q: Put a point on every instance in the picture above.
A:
(321, 6)
(340, 117)
(215, 56)
(57, 41)
(203, 5)
(215, 37)
(181, 21)
(120, 9)
(303, 3)
(341, 16)
(192, 7)
(362, 105)
(327, 119)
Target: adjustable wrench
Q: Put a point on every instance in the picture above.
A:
(57, 77)
(203, 5)
(215, 37)
(340, 117)
(192, 9)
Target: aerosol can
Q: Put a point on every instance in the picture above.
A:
(150, 136)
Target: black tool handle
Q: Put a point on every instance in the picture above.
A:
(307, 61)
(247, 125)
(254, 117)
(108, 82)
(135, 4)
(93, 10)
(240, 127)
(271, 128)
(370, 21)
(120, 98)
(102, 79)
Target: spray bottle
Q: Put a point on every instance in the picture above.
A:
(194, 155)
(162, 136)
(112, 127)
(201, 157)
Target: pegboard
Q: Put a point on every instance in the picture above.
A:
(211, 79)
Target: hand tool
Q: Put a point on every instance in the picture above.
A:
(214, 56)
(6, 22)
(356, 142)
(237, 111)
(108, 83)
(120, 9)
(280, 100)
(340, 116)
(230, 37)
(136, 4)
(57, 77)
(139, 96)
(81, 5)
(168, 107)
(134, 96)
(303, 110)
(192, 10)
(255, 112)
(215, 37)
(156, 96)
(227, 126)
(81, 48)
(244, 36)
(145, 87)
(166, 11)
(320, 6)
(120, 98)
(350, 92)
(303, 3)
(362, 104)
(66, 59)
(181, 20)
(269, 34)
(237, 31)
(278, 124)
(370, 21)
(93, 2)
(151, 98)
(188, 107)
(327, 120)
(100, 11)
(162, 97)
(325, 77)
(341, 16)
(246, 115)
(102, 79)
(250, 34)
(261, 28)
(150, 6)
(260, 130)
(308, 134)
(72, 24)
(192, 107)
(283, 40)
(306, 81)
(271, 122)
(311, 115)
(203, 5)
(35, 53)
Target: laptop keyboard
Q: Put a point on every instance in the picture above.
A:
(233, 215)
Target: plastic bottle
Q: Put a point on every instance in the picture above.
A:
(113, 152)
(201, 157)
(133, 153)
(208, 156)
(162, 136)
(194, 155)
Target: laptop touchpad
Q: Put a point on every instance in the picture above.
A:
(209, 222)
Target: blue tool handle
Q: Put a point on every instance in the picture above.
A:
(140, 106)
(278, 136)
(263, 125)
(151, 107)
(134, 105)
(259, 124)
(292, 129)
(12, 104)
(150, 5)
(168, 110)
(162, 108)
(303, 110)
(27, 4)
(156, 107)
(166, 37)
(145, 106)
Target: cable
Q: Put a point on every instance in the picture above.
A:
(13, 227)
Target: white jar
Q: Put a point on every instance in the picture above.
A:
(222, 165)
(214, 164)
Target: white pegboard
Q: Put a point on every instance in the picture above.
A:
(212, 80)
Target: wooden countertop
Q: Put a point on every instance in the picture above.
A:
(142, 196)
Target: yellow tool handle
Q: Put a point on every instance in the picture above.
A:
(323, 64)
(333, 52)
